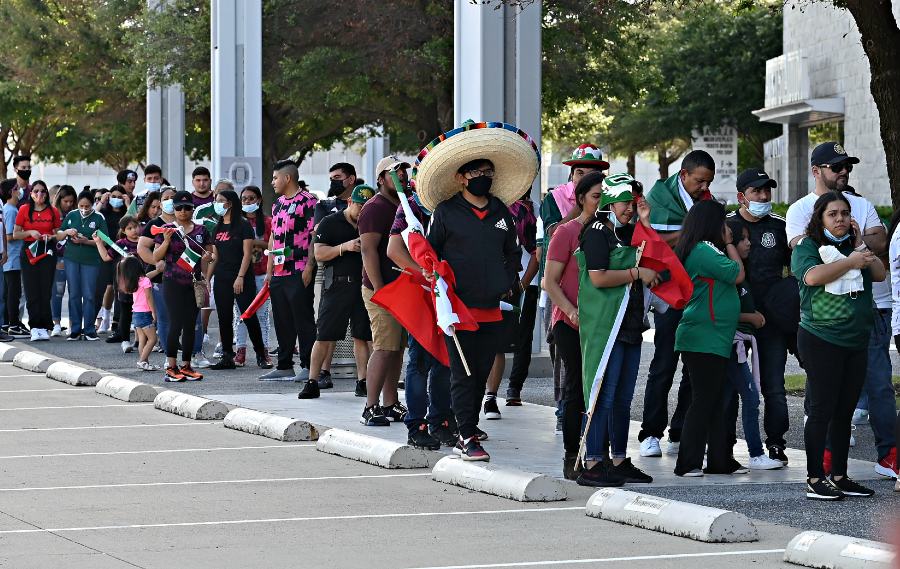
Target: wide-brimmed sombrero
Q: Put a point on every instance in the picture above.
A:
(515, 156)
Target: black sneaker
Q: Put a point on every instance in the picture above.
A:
(227, 362)
(513, 401)
(115, 339)
(445, 434)
(372, 417)
(419, 438)
(601, 475)
(310, 390)
(851, 488)
(74, 337)
(471, 450)
(491, 411)
(325, 380)
(394, 413)
(19, 331)
(777, 453)
(823, 489)
(480, 435)
(91, 337)
(274, 351)
(631, 473)
(360, 390)
(4, 337)
(569, 462)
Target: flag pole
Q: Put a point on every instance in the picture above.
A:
(462, 356)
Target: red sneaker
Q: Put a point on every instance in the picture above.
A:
(173, 374)
(826, 462)
(240, 357)
(887, 466)
(189, 374)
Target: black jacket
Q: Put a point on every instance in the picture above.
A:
(483, 253)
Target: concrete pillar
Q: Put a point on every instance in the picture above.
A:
(236, 32)
(377, 147)
(797, 167)
(165, 127)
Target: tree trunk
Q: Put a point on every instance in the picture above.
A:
(630, 164)
(881, 41)
(662, 159)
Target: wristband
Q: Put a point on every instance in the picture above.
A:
(341, 250)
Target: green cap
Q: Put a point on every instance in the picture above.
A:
(616, 188)
(362, 193)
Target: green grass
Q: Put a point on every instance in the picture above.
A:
(795, 384)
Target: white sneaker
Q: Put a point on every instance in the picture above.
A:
(672, 448)
(35, 335)
(200, 360)
(650, 447)
(219, 351)
(206, 339)
(57, 331)
(147, 366)
(126, 347)
(763, 462)
(860, 417)
(852, 438)
(105, 322)
(45, 334)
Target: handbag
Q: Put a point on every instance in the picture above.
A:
(201, 292)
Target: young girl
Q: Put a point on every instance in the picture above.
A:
(133, 281)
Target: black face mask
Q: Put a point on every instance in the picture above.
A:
(480, 186)
(336, 188)
(24, 174)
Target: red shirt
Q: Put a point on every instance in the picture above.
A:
(562, 245)
(46, 221)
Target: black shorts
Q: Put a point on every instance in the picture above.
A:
(508, 330)
(341, 303)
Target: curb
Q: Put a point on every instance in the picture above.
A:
(31, 361)
(271, 426)
(8, 352)
(72, 374)
(504, 482)
(682, 519)
(372, 450)
(820, 549)
(190, 406)
(126, 389)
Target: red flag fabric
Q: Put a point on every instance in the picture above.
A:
(261, 297)
(657, 255)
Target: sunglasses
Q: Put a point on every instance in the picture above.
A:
(838, 167)
(184, 208)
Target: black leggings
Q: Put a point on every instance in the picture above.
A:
(13, 283)
(466, 391)
(568, 346)
(835, 377)
(223, 291)
(39, 280)
(704, 423)
(182, 308)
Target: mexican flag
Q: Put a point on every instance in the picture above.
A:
(279, 256)
(188, 260)
(37, 251)
(657, 255)
(667, 206)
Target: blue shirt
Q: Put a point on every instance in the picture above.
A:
(14, 248)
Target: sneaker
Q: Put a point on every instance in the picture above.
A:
(569, 462)
(695, 473)
(823, 489)
(240, 357)
(826, 462)
(19, 332)
(471, 450)
(631, 473)
(480, 435)
(227, 362)
(731, 467)
(763, 462)
(851, 488)
(887, 466)
(325, 380)
(395, 413)
(274, 351)
(90, 337)
(200, 360)
(491, 411)
(219, 351)
(147, 366)
(672, 448)
(263, 361)
(278, 375)
(852, 438)
(303, 376)
(158, 349)
(650, 447)
(57, 331)
(4, 337)
(860, 417)
(189, 373)
(45, 334)
(206, 339)
(126, 347)
(105, 318)
(420, 438)
(35, 336)
(310, 390)
(372, 417)
(360, 390)
(113, 339)
(513, 402)
(173, 374)
(559, 425)
(601, 475)
(447, 436)
(74, 337)
(777, 453)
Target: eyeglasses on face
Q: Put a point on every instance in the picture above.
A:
(477, 173)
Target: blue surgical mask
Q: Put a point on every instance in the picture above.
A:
(168, 207)
(220, 208)
(834, 239)
(116, 202)
(250, 207)
(148, 187)
(615, 220)
(759, 209)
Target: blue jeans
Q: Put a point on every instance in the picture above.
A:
(612, 414)
(878, 388)
(82, 282)
(162, 313)
(59, 290)
(427, 388)
(740, 382)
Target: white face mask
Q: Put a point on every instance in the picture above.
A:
(759, 209)
(168, 207)
(250, 207)
(615, 220)
(220, 208)
(85, 212)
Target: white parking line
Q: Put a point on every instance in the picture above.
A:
(611, 559)
(76, 407)
(300, 519)
(72, 389)
(209, 482)
(192, 424)
(161, 451)
(22, 375)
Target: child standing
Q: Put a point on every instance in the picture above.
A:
(132, 280)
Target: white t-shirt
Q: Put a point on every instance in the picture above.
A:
(894, 277)
(800, 212)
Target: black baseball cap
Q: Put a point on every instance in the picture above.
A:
(756, 178)
(829, 153)
(182, 198)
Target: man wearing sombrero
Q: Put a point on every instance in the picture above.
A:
(467, 177)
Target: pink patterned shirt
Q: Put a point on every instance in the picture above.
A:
(292, 226)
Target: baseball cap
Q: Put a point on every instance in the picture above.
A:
(362, 193)
(182, 198)
(390, 162)
(830, 153)
(756, 178)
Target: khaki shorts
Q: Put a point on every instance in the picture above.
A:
(387, 333)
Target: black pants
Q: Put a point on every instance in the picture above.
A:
(568, 346)
(13, 281)
(522, 357)
(293, 313)
(182, 308)
(704, 423)
(659, 381)
(39, 280)
(773, 346)
(835, 377)
(466, 391)
(223, 291)
(122, 313)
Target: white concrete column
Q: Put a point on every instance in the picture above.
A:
(528, 77)
(165, 127)
(236, 34)
(377, 147)
(478, 58)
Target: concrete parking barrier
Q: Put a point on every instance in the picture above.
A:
(8, 352)
(72, 374)
(831, 551)
(31, 361)
(504, 482)
(190, 406)
(271, 426)
(372, 450)
(671, 516)
(126, 389)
